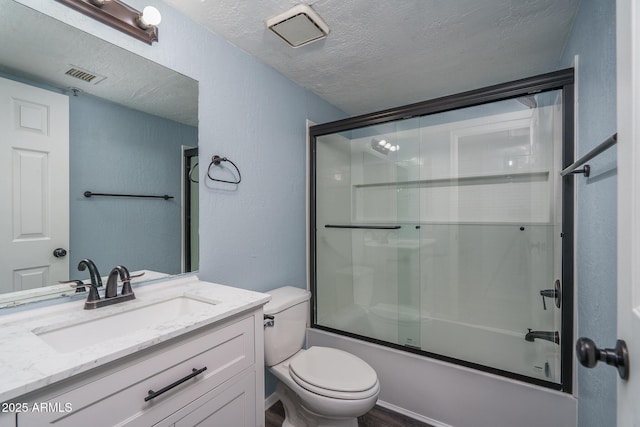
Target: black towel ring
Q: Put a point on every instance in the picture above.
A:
(216, 160)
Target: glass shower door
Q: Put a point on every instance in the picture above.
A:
(366, 233)
(489, 196)
(442, 234)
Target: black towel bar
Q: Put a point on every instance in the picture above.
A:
(91, 194)
(366, 227)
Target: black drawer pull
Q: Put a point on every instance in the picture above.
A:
(153, 394)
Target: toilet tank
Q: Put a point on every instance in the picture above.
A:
(289, 307)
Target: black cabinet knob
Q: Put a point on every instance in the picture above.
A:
(589, 355)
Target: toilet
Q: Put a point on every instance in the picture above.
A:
(319, 386)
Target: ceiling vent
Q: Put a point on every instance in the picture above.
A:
(84, 75)
(298, 26)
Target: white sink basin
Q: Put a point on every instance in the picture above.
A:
(76, 336)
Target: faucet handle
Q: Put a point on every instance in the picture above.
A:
(126, 280)
(80, 286)
(126, 283)
(554, 293)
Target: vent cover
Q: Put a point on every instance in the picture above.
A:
(84, 75)
(298, 26)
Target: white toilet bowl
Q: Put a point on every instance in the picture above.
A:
(325, 387)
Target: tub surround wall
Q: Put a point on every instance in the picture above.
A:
(593, 40)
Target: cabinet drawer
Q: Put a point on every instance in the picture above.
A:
(233, 404)
(117, 398)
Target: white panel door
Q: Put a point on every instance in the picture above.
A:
(628, 110)
(34, 184)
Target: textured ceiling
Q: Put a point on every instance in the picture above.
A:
(380, 53)
(386, 53)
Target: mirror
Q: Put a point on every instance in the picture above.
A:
(132, 131)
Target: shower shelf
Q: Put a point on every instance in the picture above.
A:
(465, 180)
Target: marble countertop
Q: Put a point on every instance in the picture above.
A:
(28, 363)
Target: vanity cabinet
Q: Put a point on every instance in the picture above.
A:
(230, 392)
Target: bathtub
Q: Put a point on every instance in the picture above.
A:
(448, 394)
(494, 348)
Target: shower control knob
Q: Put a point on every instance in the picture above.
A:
(59, 253)
(589, 355)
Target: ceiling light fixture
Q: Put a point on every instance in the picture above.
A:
(298, 26)
(115, 13)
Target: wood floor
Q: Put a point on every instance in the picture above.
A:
(377, 417)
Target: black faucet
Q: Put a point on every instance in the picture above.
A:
(543, 335)
(112, 282)
(111, 291)
(93, 271)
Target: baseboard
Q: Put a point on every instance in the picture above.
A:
(270, 401)
(411, 414)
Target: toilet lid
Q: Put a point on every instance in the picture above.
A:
(333, 369)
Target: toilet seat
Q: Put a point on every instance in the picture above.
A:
(333, 373)
(335, 395)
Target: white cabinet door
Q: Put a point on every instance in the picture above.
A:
(34, 170)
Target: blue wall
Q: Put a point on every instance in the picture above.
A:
(593, 38)
(114, 149)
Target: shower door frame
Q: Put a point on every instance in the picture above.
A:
(562, 80)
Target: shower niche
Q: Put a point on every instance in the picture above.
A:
(441, 228)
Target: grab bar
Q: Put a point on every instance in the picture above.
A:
(366, 227)
(610, 142)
